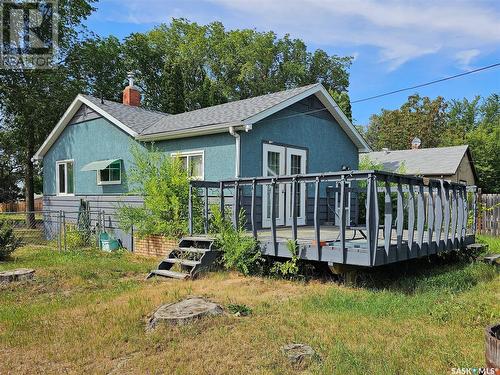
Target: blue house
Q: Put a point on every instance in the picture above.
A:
(301, 130)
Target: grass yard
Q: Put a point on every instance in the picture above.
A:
(86, 313)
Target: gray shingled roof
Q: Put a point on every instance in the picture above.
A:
(228, 113)
(146, 122)
(425, 161)
(136, 118)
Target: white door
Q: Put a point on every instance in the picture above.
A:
(273, 165)
(296, 164)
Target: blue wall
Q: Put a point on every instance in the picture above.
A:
(98, 139)
(328, 146)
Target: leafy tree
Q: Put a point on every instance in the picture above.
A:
(419, 117)
(344, 103)
(164, 184)
(31, 101)
(477, 123)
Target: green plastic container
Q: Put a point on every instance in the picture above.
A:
(107, 243)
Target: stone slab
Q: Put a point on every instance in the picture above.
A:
(20, 274)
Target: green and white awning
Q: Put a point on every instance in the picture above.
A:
(98, 165)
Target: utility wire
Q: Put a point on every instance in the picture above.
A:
(389, 93)
(426, 84)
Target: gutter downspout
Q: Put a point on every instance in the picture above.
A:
(237, 138)
(238, 141)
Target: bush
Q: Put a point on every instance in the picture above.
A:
(240, 251)
(164, 184)
(8, 241)
(290, 268)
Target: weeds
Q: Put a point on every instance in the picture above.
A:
(239, 309)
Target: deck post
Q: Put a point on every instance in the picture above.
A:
(206, 210)
(190, 210)
(342, 218)
(430, 219)
(369, 217)
(474, 209)
(387, 218)
(446, 202)
(411, 217)
(252, 212)
(317, 234)
(454, 220)
(438, 221)
(420, 217)
(376, 218)
(294, 209)
(399, 219)
(273, 217)
(221, 207)
(460, 217)
(236, 204)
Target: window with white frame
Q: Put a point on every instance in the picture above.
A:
(111, 175)
(193, 162)
(65, 177)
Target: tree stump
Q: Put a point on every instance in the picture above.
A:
(184, 312)
(21, 274)
(299, 354)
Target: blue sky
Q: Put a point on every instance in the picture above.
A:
(395, 43)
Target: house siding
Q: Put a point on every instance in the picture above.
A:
(98, 139)
(328, 146)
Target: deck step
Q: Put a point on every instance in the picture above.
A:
(184, 262)
(198, 238)
(171, 274)
(191, 250)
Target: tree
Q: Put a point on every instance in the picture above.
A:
(477, 123)
(205, 65)
(31, 101)
(419, 117)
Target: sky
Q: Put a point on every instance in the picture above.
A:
(395, 44)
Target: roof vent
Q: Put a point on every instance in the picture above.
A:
(131, 95)
(415, 144)
(386, 150)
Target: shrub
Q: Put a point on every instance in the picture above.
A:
(290, 268)
(8, 240)
(240, 251)
(164, 184)
(239, 309)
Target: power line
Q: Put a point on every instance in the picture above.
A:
(425, 84)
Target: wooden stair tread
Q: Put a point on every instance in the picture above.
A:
(172, 274)
(185, 262)
(191, 250)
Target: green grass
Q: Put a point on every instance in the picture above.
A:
(86, 311)
(492, 242)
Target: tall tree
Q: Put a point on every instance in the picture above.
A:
(31, 101)
(419, 117)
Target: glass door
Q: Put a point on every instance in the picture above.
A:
(273, 165)
(296, 162)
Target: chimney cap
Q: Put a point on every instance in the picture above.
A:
(416, 143)
(131, 76)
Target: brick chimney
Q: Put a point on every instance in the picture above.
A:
(415, 144)
(131, 95)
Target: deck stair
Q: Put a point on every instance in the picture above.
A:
(193, 255)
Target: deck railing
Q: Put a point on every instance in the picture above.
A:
(426, 216)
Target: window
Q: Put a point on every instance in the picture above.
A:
(111, 175)
(193, 162)
(64, 177)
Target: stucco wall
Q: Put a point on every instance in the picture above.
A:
(328, 146)
(98, 139)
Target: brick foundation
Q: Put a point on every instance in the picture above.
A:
(154, 246)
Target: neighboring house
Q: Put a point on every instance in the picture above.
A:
(450, 163)
(87, 155)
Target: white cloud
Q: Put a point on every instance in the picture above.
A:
(399, 31)
(465, 57)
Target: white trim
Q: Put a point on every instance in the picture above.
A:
(101, 183)
(65, 162)
(301, 216)
(66, 118)
(280, 215)
(193, 132)
(237, 140)
(193, 153)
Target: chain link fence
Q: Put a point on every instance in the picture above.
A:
(61, 230)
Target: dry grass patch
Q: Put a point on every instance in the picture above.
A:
(86, 313)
